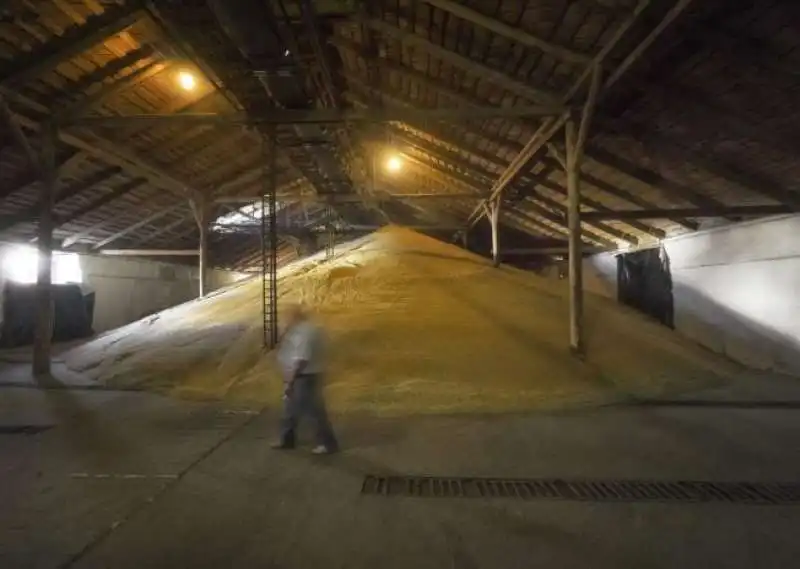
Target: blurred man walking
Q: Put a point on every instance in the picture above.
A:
(301, 357)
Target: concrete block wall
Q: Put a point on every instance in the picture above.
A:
(736, 289)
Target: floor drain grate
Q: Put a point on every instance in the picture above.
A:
(23, 429)
(584, 490)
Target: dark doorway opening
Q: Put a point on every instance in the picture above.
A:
(644, 282)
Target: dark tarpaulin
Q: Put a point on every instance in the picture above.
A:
(644, 282)
(73, 313)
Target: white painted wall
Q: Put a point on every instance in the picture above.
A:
(128, 289)
(736, 289)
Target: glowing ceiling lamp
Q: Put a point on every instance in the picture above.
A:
(187, 81)
(394, 164)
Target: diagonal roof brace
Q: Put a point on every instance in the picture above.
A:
(550, 126)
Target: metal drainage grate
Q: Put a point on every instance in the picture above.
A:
(584, 490)
(23, 429)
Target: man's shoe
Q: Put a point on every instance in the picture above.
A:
(322, 449)
(281, 446)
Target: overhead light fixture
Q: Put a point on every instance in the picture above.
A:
(394, 164)
(187, 81)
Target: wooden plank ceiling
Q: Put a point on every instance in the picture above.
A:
(706, 120)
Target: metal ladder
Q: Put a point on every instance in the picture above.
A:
(269, 246)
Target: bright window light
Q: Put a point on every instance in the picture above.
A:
(186, 80)
(21, 265)
(246, 216)
(67, 268)
(394, 164)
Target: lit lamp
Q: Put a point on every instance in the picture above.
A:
(394, 164)
(186, 80)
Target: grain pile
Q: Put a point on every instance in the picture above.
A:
(414, 325)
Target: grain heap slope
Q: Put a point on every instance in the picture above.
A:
(414, 325)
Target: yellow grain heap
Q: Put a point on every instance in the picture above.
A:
(414, 326)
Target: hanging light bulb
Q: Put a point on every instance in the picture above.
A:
(394, 164)
(186, 80)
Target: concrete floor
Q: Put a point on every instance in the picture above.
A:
(195, 485)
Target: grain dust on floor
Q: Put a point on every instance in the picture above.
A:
(415, 326)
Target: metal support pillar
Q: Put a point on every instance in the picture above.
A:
(43, 332)
(575, 141)
(269, 242)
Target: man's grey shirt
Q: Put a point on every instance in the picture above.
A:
(302, 342)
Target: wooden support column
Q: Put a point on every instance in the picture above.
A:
(201, 212)
(43, 331)
(494, 217)
(575, 141)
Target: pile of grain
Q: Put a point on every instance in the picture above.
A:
(414, 325)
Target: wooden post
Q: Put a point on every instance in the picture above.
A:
(201, 214)
(495, 220)
(575, 141)
(575, 255)
(43, 331)
(200, 209)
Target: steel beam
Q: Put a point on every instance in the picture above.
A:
(321, 116)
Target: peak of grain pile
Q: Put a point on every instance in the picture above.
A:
(414, 326)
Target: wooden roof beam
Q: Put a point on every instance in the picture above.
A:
(409, 38)
(429, 150)
(668, 145)
(133, 227)
(100, 201)
(12, 123)
(31, 213)
(726, 211)
(550, 126)
(529, 177)
(108, 91)
(543, 214)
(111, 152)
(75, 40)
(592, 152)
(111, 69)
(653, 179)
(516, 35)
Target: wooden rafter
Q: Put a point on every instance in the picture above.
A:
(594, 151)
(73, 41)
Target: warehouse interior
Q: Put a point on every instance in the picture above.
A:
(551, 242)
